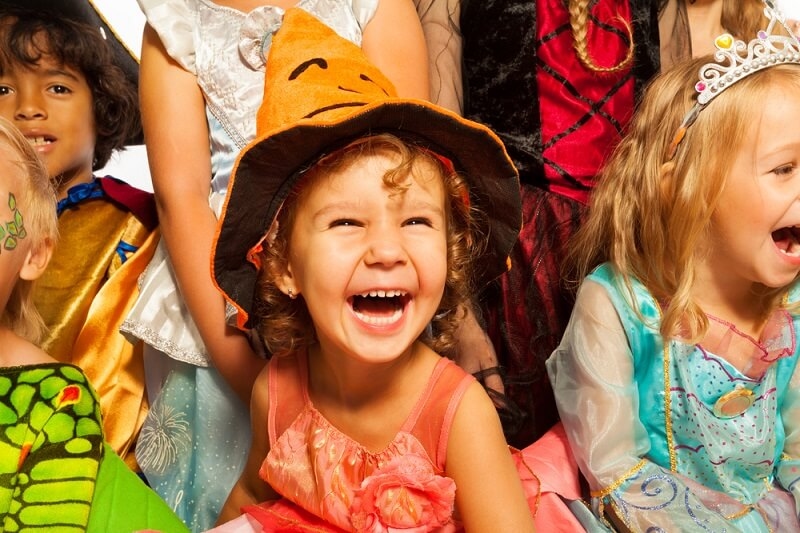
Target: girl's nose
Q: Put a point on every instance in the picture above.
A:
(386, 250)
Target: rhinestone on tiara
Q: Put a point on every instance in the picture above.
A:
(736, 59)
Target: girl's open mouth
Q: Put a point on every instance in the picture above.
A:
(40, 140)
(379, 307)
(788, 240)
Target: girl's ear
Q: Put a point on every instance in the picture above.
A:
(285, 281)
(36, 260)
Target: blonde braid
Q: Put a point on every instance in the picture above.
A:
(579, 22)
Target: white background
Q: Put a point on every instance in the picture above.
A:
(127, 20)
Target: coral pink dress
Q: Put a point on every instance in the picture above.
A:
(330, 482)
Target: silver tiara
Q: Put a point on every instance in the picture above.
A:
(735, 60)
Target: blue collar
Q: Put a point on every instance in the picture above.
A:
(78, 193)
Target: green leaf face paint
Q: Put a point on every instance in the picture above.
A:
(14, 230)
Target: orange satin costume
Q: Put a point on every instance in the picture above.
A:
(87, 291)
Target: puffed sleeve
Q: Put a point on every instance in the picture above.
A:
(174, 21)
(592, 375)
(788, 469)
(364, 10)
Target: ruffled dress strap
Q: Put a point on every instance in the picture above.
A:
(432, 417)
(288, 392)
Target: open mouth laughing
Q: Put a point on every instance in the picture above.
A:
(379, 307)
(788, 240)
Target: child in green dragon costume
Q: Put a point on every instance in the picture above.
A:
(56, 471)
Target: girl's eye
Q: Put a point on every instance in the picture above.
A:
(784, 170)
(418, 221)
(343, 222)
(4, 90)
(60, 89)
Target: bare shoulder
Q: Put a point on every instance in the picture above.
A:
(476, 428)
(477, 405)
(21, 352)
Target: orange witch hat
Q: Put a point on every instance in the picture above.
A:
(320, 94)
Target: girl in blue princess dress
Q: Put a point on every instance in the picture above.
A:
(677, 377)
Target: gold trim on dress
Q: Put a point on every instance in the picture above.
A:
(622, 479)
(673, 459)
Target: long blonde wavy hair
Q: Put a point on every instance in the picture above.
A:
(650, 216)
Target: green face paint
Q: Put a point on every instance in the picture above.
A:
(14, 231)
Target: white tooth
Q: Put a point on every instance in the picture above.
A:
(794, 253)
(382, 293)
(37, 141)
(380, 321)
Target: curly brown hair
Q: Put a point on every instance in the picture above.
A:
(28, 36)
(285, 324)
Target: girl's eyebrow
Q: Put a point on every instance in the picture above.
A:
(424, 204)
(350, 205)
(61, 72)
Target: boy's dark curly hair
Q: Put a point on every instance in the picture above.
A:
(27, 36)
(284, 323)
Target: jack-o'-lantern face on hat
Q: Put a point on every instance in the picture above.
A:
(353, 91)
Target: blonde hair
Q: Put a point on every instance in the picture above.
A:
(38, 203)
(650, 217)
(285, 324)
(579, 23)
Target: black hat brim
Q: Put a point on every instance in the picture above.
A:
(269, 167)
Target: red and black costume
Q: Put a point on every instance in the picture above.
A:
(559, 121)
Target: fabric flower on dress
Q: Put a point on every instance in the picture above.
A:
(404, 495)
(255, 36)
